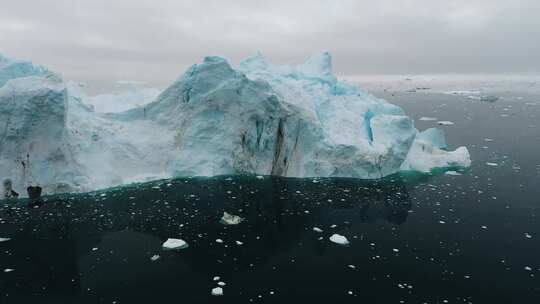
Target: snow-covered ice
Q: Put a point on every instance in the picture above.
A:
(174, 244)
(218, 291)
(294, 121)
(231, 219)
(445, 123)
(339, 239)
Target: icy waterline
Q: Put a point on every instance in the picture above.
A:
(292, 121)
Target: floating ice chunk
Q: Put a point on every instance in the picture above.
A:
(218, 291)
(433, 136)
(489, 98)
(317, 229)
(216, 278)
(8, 270)
(339, 239)
(424, 118)
(172, 244)
(230, 219)
(4, 239)
(492, 164)
(155, 257)
(219, 241)
(239, 243)
(452, 173)
(445, 123)
(429, 151)
(221, 283)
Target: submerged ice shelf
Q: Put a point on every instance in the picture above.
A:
(215, 119)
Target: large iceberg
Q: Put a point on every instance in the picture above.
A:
(257, 118)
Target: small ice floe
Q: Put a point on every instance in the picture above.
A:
(94, 249)
(218, 291)
(528, 268)
(351, 266)
(8, 270)
(339, 239)
(173, 244)
(4, 239)
(317, 229)
(216, 278)
(483, 227)
(395, 250)
(452, 173)
(260, 177)
(489, 98)
(219, 241)
(445, 123)
(239, 243)
(424, 118)
(528, 236)
(221, 283)
(230, 219)
(155, 257)
(492, 164)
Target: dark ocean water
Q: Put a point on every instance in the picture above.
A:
(473, 238)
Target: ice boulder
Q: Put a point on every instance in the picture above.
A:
(34, 145)
(296, 121)
(12, 69)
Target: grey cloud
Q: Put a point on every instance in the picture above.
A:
(102, 41)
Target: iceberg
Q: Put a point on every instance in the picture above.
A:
(215, 119)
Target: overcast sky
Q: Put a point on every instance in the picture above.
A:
(102, 41)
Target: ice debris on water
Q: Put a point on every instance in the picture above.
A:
(172, 244)
(339, 239)
(8, 270)
(4, 239)
(445, 123)
(155, 257)
(231, 219)
(428, 118)
(317, 229)
(218, 291)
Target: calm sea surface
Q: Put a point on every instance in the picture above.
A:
(472, 238)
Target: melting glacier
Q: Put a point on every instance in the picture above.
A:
(215, 119)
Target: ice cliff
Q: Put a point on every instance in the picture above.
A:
(296, 121)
